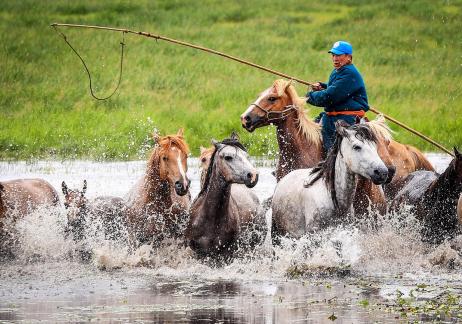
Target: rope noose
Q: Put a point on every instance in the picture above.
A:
(122, 44)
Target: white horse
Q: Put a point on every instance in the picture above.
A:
(307, 200)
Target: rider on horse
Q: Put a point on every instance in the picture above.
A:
(343, 97)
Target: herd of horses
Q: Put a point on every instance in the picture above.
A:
(365, 172)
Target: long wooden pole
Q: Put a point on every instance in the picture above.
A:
(234, 58)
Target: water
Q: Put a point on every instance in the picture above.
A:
(342, 274)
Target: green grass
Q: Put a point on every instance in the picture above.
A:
(410, 55)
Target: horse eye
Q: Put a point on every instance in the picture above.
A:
(204, 159)
(228, 158)
(356, 147)
(165, 158)
(272, 99)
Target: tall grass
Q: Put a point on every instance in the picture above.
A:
(410, 55)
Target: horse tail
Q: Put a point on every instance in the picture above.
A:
(420, 161)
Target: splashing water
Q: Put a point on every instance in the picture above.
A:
(169, 280)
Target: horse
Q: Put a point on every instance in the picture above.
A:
(459, 210)
(107, 210)
(18, 198)
(307, 200)
(433, 198)
(299, 139)
(158, 203)
(223, 213)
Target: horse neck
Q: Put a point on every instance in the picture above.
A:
(344, 184)
(157, 191)
(446, 187)
(295, 150)
(217, 195)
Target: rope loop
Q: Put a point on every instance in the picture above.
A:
(92, 92)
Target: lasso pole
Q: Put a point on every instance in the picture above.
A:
(208, 50)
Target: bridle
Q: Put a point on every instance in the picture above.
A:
(280, 115)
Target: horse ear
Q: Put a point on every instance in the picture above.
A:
(84, 187)
(155, 137)
(234, 136)
(214, 142)
(180, 132)
(202, 149)
(362, 121)
(64, 188)
(340, 127)
(457, 153)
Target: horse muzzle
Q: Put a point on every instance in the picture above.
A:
(379, 176)
(391, 173)
(250, 123)
(251, 179)
(182, 187)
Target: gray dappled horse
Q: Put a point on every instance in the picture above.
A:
(307, 200)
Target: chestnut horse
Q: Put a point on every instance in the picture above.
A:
(107, 210)
(307, 200)
(223, 212)
(434, 199)
(299, 139)
(18, 198)
(157, 205)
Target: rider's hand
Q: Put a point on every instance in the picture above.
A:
(316, 86)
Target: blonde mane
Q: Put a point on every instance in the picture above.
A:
(308, 128)
(380, 128)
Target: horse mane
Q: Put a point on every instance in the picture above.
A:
(381, 128)
(227, 141)
(308, 128)
(445, 181)
(326, 169)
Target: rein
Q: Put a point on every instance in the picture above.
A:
(283, 114)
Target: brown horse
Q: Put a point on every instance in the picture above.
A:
(157, 205)
(204, 158)
(19, 198)
(299, 139)
(108, 211)
(223, 211)
(434, 199)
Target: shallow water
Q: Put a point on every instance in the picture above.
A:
(381, 275)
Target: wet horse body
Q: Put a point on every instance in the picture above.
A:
(434, 198)
(327, 199)
(157, 205)
(223, 211)
(19, 198)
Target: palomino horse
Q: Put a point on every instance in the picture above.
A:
(20, 197)
(434, 199)
(299, 139)
(222, 212)
(307, 200)
(157, 205)
(107, 210)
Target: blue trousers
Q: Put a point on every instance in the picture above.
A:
(328, 128)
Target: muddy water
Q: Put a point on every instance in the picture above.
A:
(343, 274)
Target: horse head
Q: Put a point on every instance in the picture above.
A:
(76, 204)
(357, 145)
(272, 106)
(232, 162)
(384, 136)
(170, 159)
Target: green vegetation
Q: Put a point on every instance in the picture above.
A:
(409, 52)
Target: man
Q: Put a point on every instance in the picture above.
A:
(343, 97)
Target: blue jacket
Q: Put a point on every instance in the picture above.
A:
(345, 91)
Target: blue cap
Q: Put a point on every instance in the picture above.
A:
(341, 47)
